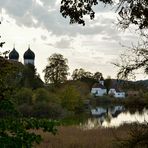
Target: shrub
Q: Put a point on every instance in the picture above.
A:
(44, 110)
(24, 96)
(70, 98)
(41, 95)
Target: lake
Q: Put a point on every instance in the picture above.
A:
(114, 116)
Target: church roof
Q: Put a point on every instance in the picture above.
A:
(98, 85)
(29, 54)
(14, 55)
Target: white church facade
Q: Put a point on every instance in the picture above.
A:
(98, 89)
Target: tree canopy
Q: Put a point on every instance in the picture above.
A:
(130, 11)
(57, 69)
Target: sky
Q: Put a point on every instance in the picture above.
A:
(38, 23)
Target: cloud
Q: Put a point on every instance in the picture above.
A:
(43, 37)
(47, 16)
(63, 43)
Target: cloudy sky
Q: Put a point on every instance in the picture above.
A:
(40, 24)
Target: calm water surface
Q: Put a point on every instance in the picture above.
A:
(114, 116)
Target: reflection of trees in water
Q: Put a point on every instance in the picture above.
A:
(134, 109)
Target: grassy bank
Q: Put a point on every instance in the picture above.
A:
(74, 137)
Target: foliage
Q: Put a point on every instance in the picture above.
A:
(44, 110)
(81, 74)
(138, 135)
(13, 127)
(24, 95)
(14, 131)
(76, 9)
(139, 60)
(70, 98)
(41, 95)
(30, 78)
(57, 69)
(108, 83)
(129, 11)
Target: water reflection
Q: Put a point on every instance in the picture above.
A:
(114, 116)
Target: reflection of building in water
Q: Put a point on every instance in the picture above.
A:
(107, 114)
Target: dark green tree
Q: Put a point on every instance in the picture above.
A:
(81, 74)
(108, 83)
(97, 76)
(57, 69)
(30, 78)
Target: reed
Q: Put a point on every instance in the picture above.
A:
(75, 137)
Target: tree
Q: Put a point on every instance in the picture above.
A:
(108, 83)
(70, 98)
(23, 96)
(14, 129)
(81, 74)
(78, 74)
(130, 11)
(41, 95)
(128, 64)
(30, 78)
(57, 69)
(97, 76)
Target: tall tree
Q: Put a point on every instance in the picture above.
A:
(57, 69)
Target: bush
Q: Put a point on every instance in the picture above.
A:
(26, 110)
(70, 99)
(41, 95)
(44, 110)
(24, 96)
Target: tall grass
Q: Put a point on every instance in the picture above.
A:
(74, 137)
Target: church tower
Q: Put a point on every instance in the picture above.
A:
(14, 55)
(29, 57)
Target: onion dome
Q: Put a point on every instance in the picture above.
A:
(14, 55)
(29, 54)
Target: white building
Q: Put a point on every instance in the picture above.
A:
(116, 93)
(98, 89)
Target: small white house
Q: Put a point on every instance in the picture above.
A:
(116, 93)
(98, 89)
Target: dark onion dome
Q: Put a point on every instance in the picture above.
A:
(29, 54)
(13, 55)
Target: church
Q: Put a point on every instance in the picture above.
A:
(29, 56)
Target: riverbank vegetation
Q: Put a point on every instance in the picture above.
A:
(127, 135)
